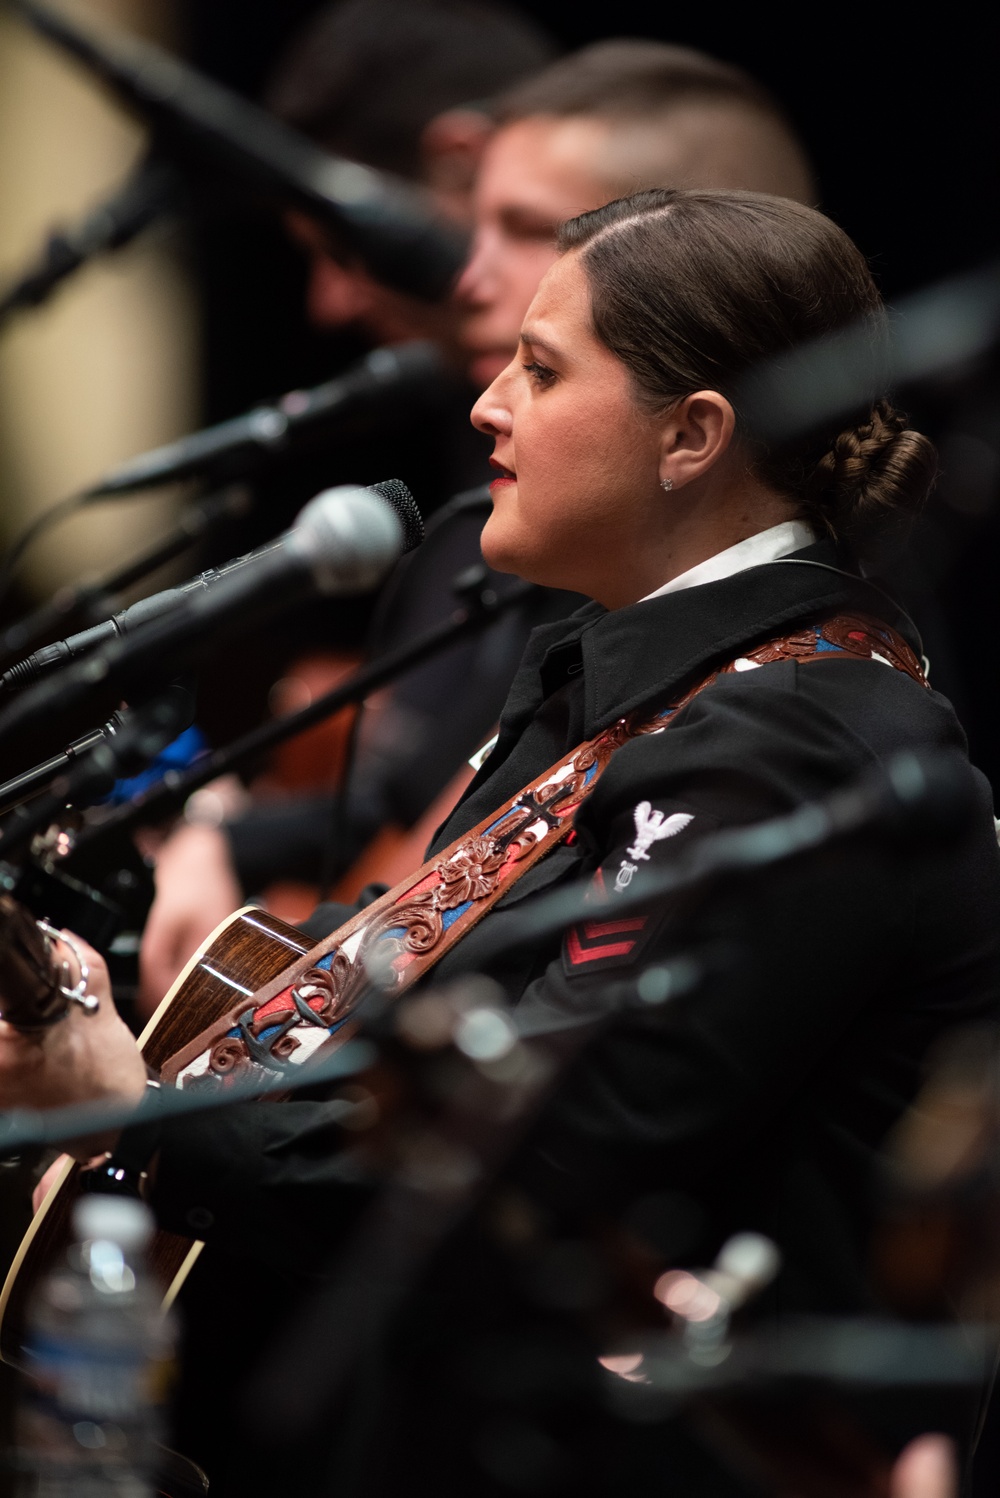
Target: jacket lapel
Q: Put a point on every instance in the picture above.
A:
(649, 652)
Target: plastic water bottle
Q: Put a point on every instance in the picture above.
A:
(98, 1357)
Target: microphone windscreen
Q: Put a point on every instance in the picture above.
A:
(396, 494)
(347, 537)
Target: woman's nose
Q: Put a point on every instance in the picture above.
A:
(491, 413)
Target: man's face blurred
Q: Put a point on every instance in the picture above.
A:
(342, 294)
(534, 174)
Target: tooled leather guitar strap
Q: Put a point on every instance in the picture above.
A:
(396, 940)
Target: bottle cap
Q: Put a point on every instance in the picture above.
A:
(119, 1219)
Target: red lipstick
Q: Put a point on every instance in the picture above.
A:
(505, 475)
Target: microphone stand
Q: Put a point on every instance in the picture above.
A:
(25, 1128)
(32, 782)
(87, 771)
(480, 606)
(227, 144)
(140, 735)
(917, 795)
(195, 523)
(145, 195)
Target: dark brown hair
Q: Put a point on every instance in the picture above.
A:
(363, 77)
(693, 289)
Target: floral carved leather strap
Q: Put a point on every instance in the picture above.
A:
(396, 940)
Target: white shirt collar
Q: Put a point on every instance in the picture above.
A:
(766, 546)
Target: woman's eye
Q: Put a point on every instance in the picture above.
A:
(540, 373)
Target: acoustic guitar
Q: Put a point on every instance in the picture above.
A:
(245, 952)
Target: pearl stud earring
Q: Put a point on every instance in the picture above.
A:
(667, 484)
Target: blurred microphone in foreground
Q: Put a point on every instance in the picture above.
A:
(221, 138)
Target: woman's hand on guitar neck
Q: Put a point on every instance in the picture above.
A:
(82, 1058)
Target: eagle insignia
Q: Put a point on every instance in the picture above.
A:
(652, 826)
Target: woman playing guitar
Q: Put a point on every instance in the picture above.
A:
(734, 664)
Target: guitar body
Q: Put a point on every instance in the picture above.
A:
(249, 949)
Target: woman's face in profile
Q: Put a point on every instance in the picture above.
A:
(577, 491)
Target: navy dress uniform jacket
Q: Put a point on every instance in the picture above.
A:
(760, 1100)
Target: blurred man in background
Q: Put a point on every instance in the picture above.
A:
(398, 85)
(611, 119)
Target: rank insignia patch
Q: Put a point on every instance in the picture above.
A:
(602, 943)
(608, 942)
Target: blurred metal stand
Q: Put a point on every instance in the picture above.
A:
(145, 195)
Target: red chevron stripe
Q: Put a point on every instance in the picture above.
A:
(594, 929)
(579, 954)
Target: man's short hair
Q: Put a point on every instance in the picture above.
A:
(365, 77)
(629, 78)
(633, 81)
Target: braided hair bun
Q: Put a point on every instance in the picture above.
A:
(871, 474)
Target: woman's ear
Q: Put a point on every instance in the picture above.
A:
(697, 431)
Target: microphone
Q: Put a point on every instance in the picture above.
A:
(231, 449)
(343, 542)
(214, 133)
(111, 225)
(262, 560)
